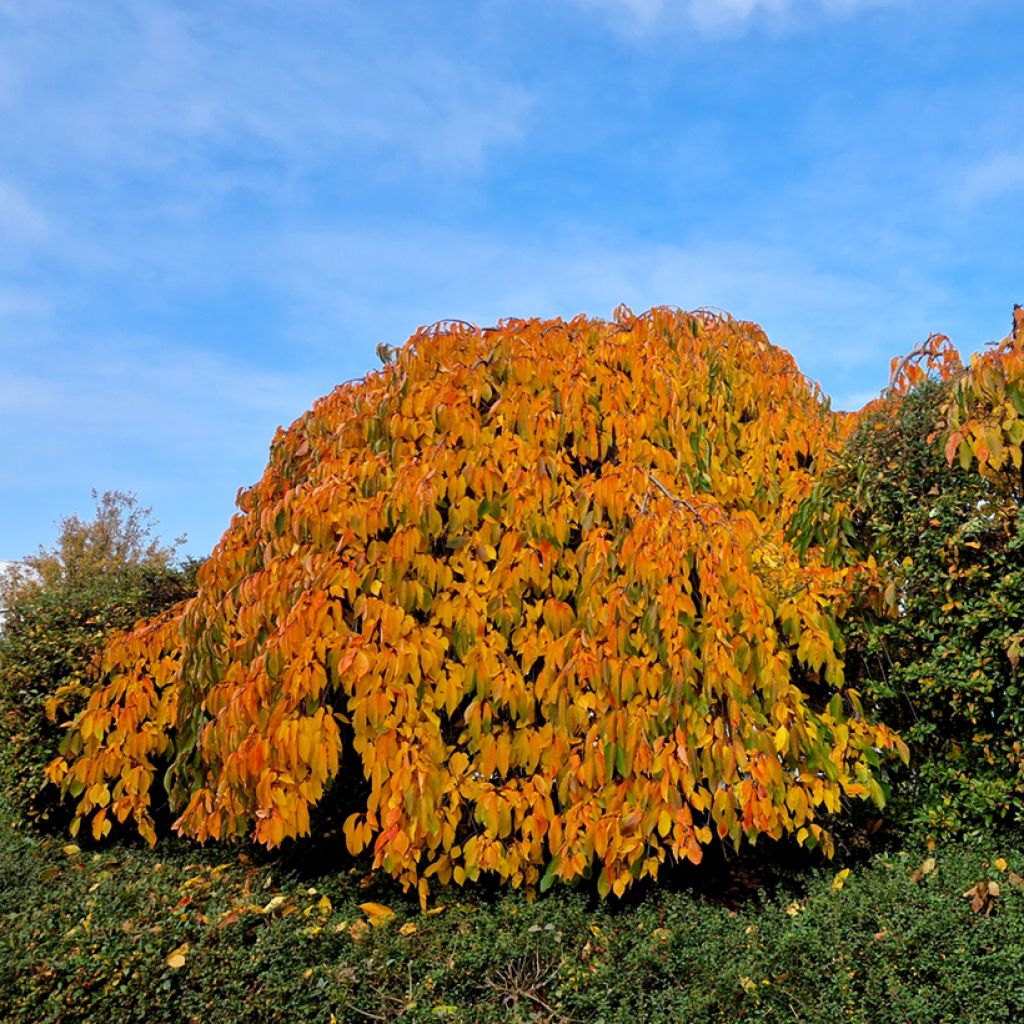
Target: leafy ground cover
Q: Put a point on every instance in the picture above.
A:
(185, 934)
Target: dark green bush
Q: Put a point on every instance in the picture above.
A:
(91, 938)
(943, 667)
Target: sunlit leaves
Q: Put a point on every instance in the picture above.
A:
(985, 416)
(537, 581)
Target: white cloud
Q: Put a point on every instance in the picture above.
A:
(636, 17)
(20, 220)
(156, 87)
(715, 14)
(991, 178)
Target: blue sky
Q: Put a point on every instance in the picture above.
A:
(211, 212)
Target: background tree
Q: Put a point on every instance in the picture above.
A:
(119, 536)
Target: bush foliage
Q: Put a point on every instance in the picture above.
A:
(102, 576)
(944, 667)
(554, 599)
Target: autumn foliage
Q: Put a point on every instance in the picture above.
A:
(534, 589)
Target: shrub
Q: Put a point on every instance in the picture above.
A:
(100, 577)
(526, 596)
(943, 665)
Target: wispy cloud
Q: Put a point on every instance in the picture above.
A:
(380, 289)
(211, 212)
(148, 87)
(712, 16)
(991, 178)
(20, 220)
(182, 426)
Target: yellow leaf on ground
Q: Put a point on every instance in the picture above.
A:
(377, 913)
(176, 958)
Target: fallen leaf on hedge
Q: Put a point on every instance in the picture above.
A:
(926, 868)
(1017, 881)
(275, 902)
(840, 880)
(176, 959)
(408, 929)
(794, 908)
(1000, 863)
(358, 930)
(377, 913)
(71, 850)
(982, 897)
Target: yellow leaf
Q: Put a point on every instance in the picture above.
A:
(377, 913)
(176, 958)
(408, 929)
(1000, 864)
(274, 903)
(781, 738)
(840, 880)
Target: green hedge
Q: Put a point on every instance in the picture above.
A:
(91, 937)
(944, 669)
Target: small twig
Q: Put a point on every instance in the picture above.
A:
(450, 320)
(675, 499)
(365, 1013)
